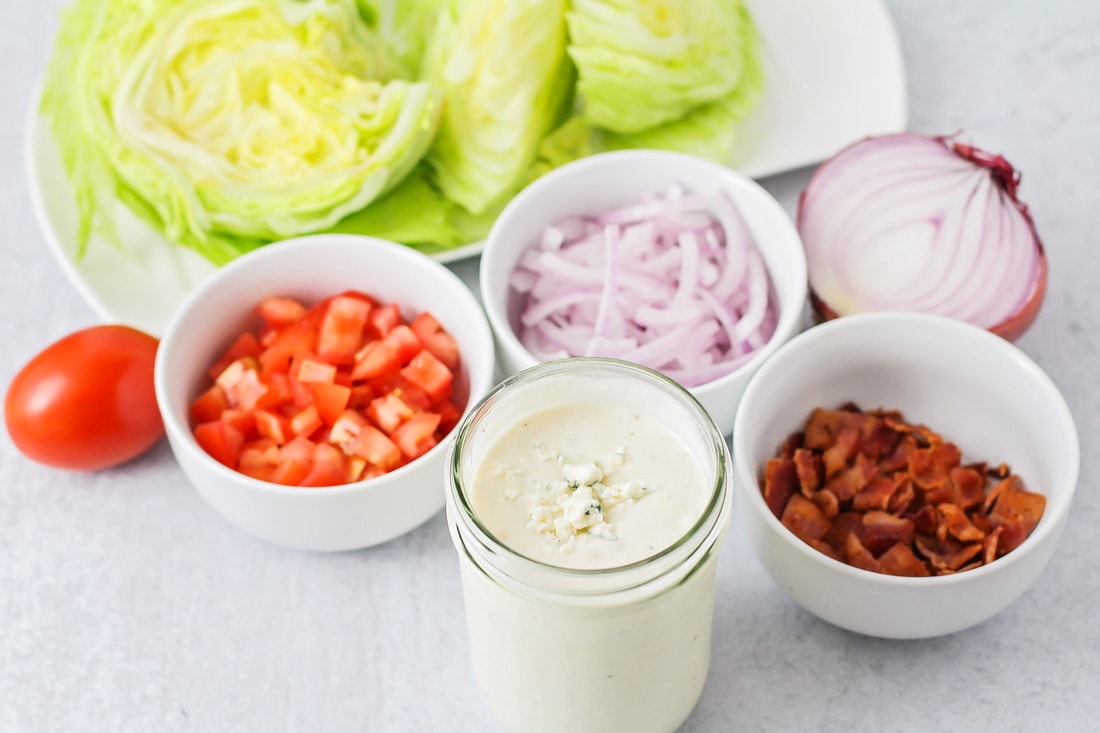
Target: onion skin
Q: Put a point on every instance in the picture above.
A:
(1004, 177)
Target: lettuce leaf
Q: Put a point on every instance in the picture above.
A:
(506, 83)
(643, 64)
(224, 124)
(710, 130)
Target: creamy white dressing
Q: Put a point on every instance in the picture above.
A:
(588, 486)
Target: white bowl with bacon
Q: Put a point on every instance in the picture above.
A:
(317, 516)
(887, 563)
(661, 258)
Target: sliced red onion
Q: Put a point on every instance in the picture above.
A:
(673, 282)
(919, 223)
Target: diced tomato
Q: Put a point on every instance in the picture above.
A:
(295, 460)
(279, 312)
(245, 345)
(273, 425)
(306, 421)
(384, 319)
(227, 378)
(395, 382)
(332, 393)
(372, 444)
(346, 428)
(355, 466)
(278, 392)
(416, 436)
(449, 415)
(328, 468)
(242, 420)
(300, 449)
(430, 374)
(258, 452)
(436, 340)
(389, 411)
(297, 338)
(221, 440)
(300, 394)
(249, 389)
(341, 331)
(385, 355)
(330, 399)
(209, 405)
(361, 395)
(260, 473)
(313, 370)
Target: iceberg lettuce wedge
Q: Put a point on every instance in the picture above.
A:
(710, 130)
(643, 64)
(227, 123)
(506, 82)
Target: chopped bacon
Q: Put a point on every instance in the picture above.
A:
(827, 502)
(875, 495)
(844, 524)
(903, 498)
(824, 547)
(845, 446)
(930, 467)
(925, 520)
(949, 554)
(969, 486)
(848, 482)
(804, 518)
(1016, 511)
(858, 555)
(989, 545)
(809, 466)
(881, 530)
(824, 427)
(882, 440)
(955, 522)
(900, 560)
(780, 481)
(873, 490)
(790, 445)
(898, 459)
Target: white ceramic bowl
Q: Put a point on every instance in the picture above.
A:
(608, 180)
(975, 389)
(311, 268)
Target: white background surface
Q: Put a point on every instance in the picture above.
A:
(126, 604)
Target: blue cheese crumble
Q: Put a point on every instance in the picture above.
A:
(579, 503)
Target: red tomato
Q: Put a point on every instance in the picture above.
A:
(86, 402)
(342, 391)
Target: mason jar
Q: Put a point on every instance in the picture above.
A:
(624, 647)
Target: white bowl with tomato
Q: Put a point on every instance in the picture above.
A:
(309, 388)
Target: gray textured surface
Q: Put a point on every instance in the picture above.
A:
(127, 605)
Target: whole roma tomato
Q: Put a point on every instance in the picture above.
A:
(87, 401)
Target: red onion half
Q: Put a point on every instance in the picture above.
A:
(918, 223)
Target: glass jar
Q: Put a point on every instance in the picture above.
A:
(622, 648)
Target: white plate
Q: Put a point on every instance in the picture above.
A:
(834, 71)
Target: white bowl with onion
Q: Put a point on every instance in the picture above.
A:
(708, 274)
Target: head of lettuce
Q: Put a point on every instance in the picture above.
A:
(225, 124)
